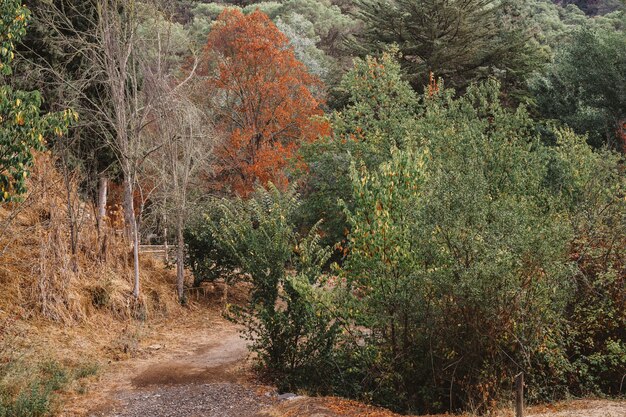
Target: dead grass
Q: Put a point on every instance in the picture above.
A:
(41, 277)
(70, 308)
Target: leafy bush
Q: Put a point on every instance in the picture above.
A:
(593, 187)
(458, 264)
(23, 125)
(286, 320)
(379, 116)
(204, 256)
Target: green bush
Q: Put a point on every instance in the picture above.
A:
(286, 319)
(204, 256)
(458, 264)
(26, 392)
(593, 188)
(477, 252)
(379, 116)
(35, 401)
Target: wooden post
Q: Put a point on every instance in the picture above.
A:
(519, 395)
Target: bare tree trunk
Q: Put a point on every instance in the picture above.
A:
(133, 233)
(136, 259)
(167, 254)
(103, 188)
(180, 258)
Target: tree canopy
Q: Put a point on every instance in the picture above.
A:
(268, 102)
(461, 41)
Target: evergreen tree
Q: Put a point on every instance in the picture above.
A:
(459, 40)
(585, 87)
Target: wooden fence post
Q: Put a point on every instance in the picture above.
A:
(519, 395)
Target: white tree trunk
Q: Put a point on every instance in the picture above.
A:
(180, 258)
(133, 233)
(103, 188)
(167, 250)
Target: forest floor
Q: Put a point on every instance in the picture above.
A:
(198, 365)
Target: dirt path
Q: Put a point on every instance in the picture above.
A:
(200, 368)
(581, 408)
(192, 372)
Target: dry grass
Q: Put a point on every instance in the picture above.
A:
(68, 312)
(41, 277)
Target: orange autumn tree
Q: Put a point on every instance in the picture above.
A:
(265, 99)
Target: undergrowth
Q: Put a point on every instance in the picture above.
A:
(52, 283)
(29, 384)
(47, 273)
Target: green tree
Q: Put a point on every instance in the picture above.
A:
(22, 126)
(458, 263)
(585, 87)
(285, 319)
(460, 40)
(595, 7)
(378, 117)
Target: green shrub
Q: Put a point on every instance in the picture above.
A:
(379, 116)
(458, 264)
(593, 189)
(286, 319)
(204, 256)
(31, 392)
(35, 401)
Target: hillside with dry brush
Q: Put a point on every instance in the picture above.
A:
(63, 312)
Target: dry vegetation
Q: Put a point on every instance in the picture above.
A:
(42, 278)
(63, 315)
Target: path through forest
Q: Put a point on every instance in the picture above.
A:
(192, 372)
(201, 369)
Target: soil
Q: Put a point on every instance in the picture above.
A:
(581, 408)
(200, 367)
(193, 365)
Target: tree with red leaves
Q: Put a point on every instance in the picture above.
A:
(267, 102)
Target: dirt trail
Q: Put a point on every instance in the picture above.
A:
(204, 374)
(200, 369)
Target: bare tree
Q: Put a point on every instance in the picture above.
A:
(113, 52)
(188, 139)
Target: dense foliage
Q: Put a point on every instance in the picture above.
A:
(426, 197)
(458, 257)
(22, 126)
(265, 99)
(586, 86)
(378, 117)
(286, 318)
(462, 41)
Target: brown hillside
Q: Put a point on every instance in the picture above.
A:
(39, 275)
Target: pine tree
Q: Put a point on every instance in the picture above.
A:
(459, 40)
